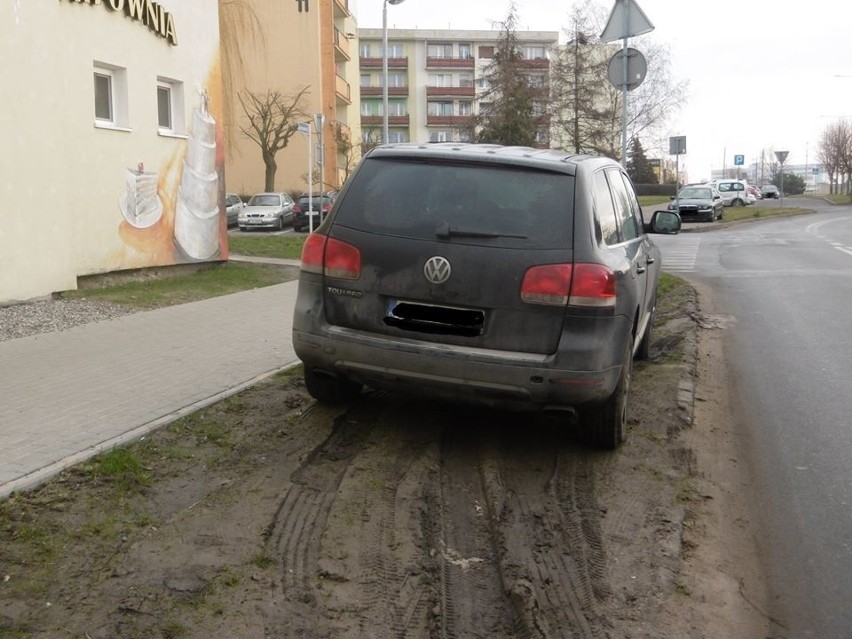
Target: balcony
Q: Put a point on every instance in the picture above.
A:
(449, 120)
(341, 46)
(342, 89)
(376, 63)
(537, 63)
(450, 92)
(341, 8)
(450, 63)
(377, 91)
(377, 120)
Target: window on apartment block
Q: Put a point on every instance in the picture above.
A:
(365, 50)
(530, 52)
(395, 50)
(397, 79)
(371, 107)
(465, 79)
(170, 117)
(110, 96)
(486, 52)
(440, 108)
(441, 50)
(365, 79)
(442, 135)
(536, 80)
(464, 51)
(397, 135)
(397, 107)
(440, 79)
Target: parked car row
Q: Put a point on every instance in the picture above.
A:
(277, 210)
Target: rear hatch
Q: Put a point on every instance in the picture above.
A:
(444, 249)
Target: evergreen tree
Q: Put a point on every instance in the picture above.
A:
(638, 167)
(506, 107)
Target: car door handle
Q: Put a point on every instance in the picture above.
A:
(640, 268)
(650, 260)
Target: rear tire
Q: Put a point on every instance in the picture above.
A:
(605, 425)
(738, 202)
(330, 389)
(644, 351)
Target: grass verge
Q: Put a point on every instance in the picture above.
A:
(167, 290)
(277, 246)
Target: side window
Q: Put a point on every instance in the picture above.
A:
(623, 209)
(605, 210)
(634, 204)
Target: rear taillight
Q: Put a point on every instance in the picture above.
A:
(321, 254)
(297, 209)
(592, 285)
(589, 285)
(548, 284)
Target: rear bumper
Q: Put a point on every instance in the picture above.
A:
(584, 369)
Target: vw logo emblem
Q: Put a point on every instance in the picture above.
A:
(437, 269)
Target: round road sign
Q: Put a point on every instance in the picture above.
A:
(637, 68)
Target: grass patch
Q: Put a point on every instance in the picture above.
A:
(838, 198)
(651, 200)
(277, 246)
(120, 465)
(218, 279)
(733, 214)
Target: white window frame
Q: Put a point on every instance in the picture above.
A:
(398, 135)
(441, 135)
(177, 119)
(118, 117)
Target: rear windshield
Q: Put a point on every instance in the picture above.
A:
(528, 207)
(265, 200)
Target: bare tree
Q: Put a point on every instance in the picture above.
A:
(273, 118)
(346, 148)
(583, 88)
(833, 153)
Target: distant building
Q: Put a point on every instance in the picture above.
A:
(435, 80)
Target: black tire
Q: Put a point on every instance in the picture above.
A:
(330, 389)
(738, 202)
(604, 425)
(644, 351)
(279, 225)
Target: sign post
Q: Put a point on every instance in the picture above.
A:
(677, 146)
(305, 129)
(626, 20)
(781, 155)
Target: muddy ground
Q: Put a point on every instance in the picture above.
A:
(267, 515)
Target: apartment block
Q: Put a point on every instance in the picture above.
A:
(436, 79)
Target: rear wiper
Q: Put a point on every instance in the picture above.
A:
(444, 231)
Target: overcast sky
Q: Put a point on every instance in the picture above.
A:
(762, 73)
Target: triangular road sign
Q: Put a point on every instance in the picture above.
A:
(781, 155)
(626, 20)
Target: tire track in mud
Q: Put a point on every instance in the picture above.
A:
(551, 554)
(294, 534)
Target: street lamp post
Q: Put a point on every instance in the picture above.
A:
(385, 67)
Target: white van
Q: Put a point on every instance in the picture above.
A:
(734, 192)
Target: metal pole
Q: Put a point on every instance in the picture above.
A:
(310, 180)
(385, 72)
(624, 86)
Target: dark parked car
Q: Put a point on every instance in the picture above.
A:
(770, 191)
(698, 203)
(267, 211)
(319, 205)
(510, 277)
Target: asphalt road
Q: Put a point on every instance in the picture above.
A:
(788, 283)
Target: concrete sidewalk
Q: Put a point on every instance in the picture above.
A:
(66, 396)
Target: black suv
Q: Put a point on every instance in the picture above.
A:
(509, 277)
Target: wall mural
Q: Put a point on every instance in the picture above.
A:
(174, 213)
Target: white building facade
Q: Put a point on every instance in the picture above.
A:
(113, 155)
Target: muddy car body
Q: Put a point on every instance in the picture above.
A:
(506, 276)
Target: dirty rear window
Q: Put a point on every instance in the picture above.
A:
(476, 203)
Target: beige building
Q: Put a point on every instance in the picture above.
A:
(435, 80)
(113, 150)
(286, 46)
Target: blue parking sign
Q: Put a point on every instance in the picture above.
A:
(739, 160)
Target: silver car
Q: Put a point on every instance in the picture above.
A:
(233, 205)
(267, 211)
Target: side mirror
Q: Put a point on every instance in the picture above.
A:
(664, 223)
(671, 197)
